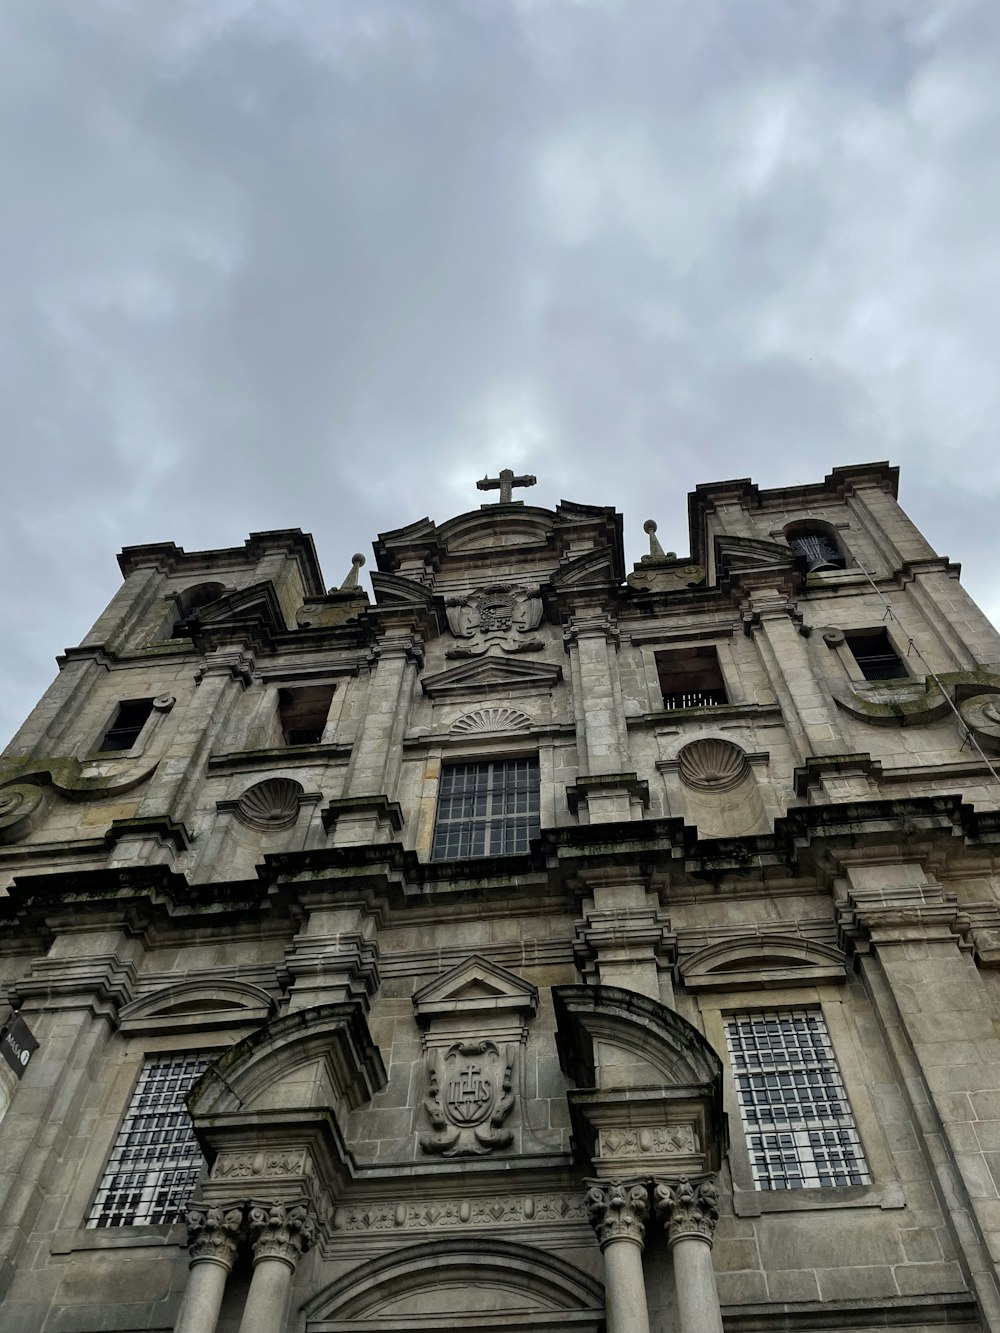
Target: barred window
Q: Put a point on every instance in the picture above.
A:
(155, 1159)
(798, 1122)
(488, 809)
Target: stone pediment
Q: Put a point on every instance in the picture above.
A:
(734, 554)
(493, 674)
(474, 987)
(198, 1004)
(395, 590)
(257, 604)
(763, 960)
(592, 567)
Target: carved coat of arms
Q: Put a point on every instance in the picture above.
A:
(468, 1098)
(499, 616)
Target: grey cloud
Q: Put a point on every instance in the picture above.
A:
(269, 263)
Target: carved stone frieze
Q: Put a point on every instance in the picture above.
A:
(501, 615)
(214, 1232)
(469, 1096)
(617, 1210)
(493, 1210)
(687, 1210)
(246, 1165)
(281, 1231)
(663, 1140)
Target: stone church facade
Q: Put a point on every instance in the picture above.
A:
(538, 946)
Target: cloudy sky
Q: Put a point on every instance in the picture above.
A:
(322, 263)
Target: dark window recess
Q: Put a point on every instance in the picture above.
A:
(691, 678)
(189, 602)
(875, 655)
(302, 713)
(486, 809)
(818, 551)
(130, 717)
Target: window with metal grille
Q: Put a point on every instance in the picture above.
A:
(488, 809)
(130, 717)
(690, 678)
(798, 1122)
(875, 655)
(155, 1159)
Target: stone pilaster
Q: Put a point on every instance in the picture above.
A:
(690, 1213)
(335, 955)
(617, 1211)
(602, 738)
(623, 938)
(773, 622)
(937, 1019)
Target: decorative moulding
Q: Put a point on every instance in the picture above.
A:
(270, 805)
(197, 1005)
(491, 719)
(713, 765)
(764, 960)
(492, 674)
(475, 987)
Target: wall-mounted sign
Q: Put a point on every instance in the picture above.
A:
(17, 1045)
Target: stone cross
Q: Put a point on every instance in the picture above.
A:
(505, 484)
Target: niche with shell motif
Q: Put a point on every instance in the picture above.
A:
(719, 790)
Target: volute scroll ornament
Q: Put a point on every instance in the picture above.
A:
(617, 1210)
(214, 1232)
(281, 1231)
(469, 1096)
(687, 1210)
(22, 805)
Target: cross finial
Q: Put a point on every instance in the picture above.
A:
(505, 484)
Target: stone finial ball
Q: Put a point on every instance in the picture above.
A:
(649, 525)
(357, 559)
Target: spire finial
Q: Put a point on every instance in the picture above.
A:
(357, 560)
(655, 549)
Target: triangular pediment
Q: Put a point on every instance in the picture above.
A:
(493, 673)
(474, 986)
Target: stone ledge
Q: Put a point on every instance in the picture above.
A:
(119, 1238)
(751, 1203)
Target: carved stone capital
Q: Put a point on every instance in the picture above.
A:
(617, 1210)
(688, 1211)
(214, 1232)
(281, 1231)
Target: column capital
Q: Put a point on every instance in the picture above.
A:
(617, 1210)
(214, 1232)
(281, 1231)
(598, 625)
(687, 1211)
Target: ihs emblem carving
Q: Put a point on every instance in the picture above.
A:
(499, 616)
(468, 1098)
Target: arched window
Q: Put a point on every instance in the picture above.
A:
(189, 602)
(817, 544)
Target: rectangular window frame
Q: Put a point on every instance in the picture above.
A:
(798, 1123)
(158, 1131)
(857, 664)
(475, 820)
(692, 695)
(139, 736)
(886, 1190)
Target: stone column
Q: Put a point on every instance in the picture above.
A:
(617, 1211)
(213, 1234)
(280, 1235)
(689, 1213)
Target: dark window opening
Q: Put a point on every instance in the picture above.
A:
(302, 713)
(875, 655)
(488, 809)
(130, 717)
(189, 602)
(691, 678)
(816, 545)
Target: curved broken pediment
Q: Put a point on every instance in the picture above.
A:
(459, 1282)
(605, 1028)
(319, 1058)
(912, 703)
(763, 960)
